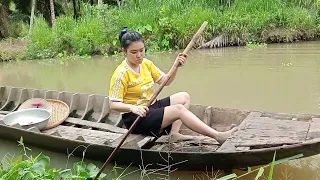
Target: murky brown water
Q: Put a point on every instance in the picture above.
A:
(281, 77)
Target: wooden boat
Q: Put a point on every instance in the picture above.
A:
(90, 123)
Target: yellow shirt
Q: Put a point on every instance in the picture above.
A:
(130, 87)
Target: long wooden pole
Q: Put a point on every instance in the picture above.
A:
(175, 65)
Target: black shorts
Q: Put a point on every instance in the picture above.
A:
(150, 124)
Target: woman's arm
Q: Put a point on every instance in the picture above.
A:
(122, 107)
(165, 77)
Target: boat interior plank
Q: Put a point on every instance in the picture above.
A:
(314, 129)
(100, 126)
(265, 132)
(229, 145)
(186, 143)
(133, 141)
(90, 136)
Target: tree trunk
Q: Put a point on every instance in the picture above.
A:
(53, 16)
(75, 14)
(66, 5)
(4, 22)
(100, 2)
(33, 6)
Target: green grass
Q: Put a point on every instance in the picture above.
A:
(170, 24)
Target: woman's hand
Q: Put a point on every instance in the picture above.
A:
(139, 110)
(181, 58)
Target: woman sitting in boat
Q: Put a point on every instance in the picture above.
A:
(131, 89)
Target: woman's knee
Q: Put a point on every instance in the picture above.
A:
(180, 109)
(186, 98)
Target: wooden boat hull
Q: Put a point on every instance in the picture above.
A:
(190, 157)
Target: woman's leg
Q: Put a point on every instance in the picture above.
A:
(178, 111)
(182, 98)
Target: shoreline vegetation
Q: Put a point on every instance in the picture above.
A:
(165, 25)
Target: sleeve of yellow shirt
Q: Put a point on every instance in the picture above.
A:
(118, 86)
(156, 73)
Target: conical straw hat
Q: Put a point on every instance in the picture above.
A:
(36, 103)
(60, 112)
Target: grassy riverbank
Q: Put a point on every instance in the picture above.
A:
(170, 24)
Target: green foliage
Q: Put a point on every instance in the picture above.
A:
(170, 24)
(262, 169)
(27, 167)
(42, 44)
(87, 35)
(61, 32)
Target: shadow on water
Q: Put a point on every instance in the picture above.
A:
(279, 77)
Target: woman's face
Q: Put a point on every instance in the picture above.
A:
(135, 52)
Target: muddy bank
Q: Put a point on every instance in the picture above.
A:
(13, 49)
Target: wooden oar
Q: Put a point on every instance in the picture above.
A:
(175, 66)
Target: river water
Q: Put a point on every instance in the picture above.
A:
(279, 77)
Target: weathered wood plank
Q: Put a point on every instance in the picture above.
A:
(186, 143)
(252, 116)
(145, 141)
(187, 138)
(314, 129)
(288, 116)
(185, 146)
(101, 126)
(34, 129)
(131, 141)
(272, 133)
(229, 144)
(90, 136)
(242, 148)
(157, 147)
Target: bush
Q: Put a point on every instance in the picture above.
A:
(173, 24)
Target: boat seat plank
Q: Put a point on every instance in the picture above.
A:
(229, 145)
(314, 129)
(90, 136)
(101, 126)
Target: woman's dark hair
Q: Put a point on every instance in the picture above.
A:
(127, 37)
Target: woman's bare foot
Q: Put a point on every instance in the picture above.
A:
(223, 136)
(180, 137)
